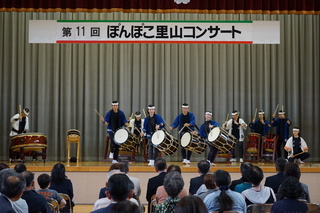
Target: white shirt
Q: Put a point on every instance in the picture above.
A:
(15, 124)
(241, 129)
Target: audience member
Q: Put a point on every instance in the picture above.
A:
(36, 203)
(224, 199)
(12, 185)
(44, 181)
(275, 181)
(291, 189)
(124, 167)
(173, 184)
(196, 182)
(244, 166)
(125, 207)
(160, 166)
(20, 167)
(209, 185)
(258, 193)
(191, 204)
(103, 191)
(61, 183)
(246, 184)
(293, 170)
(161, 194)
(120, 188)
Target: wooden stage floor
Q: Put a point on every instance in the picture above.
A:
(103, 166)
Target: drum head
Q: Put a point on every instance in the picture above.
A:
(214, 134)
(121, 136)
(185, 139)
(158, 137)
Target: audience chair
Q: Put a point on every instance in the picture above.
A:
(73, 136)
(55, 205)
(313, 206)
(68, 200)
(269, 144)
(51, 207)
(259, 208)
(153, 204)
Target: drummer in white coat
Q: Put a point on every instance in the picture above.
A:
(20, 122)
(236, 127)
(136, 125)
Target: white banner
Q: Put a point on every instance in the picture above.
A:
(256, 32)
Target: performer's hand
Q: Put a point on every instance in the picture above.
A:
(306, 150)
(291, 156)
(171, 128)
(274, 115)
(210, 126)
(141, 134)
(253, 121)
(157, 127)
(194, 132)
(186, 124)
(101, 118)
(288, 122)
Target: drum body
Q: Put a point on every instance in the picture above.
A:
(29, 142)
(125, 139)
(164, 142)
(253, 143)
(269, 144)
(193, 143)
(221, 139)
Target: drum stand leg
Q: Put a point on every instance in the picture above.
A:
(106, 148)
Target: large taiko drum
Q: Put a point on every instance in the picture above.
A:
(164, 142)
(125, 139)
(29, 141)
(193, 143)
(221, 139)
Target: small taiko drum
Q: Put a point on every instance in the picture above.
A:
(193, 143)
(221, 139)
(126, 139)
(164, 142)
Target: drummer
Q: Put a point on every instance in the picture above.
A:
(114, 120)
(205, 129)
(20, 122)
(186, 121)
(152, 123)
(136, 124)
(296, 147)
(236, 127)
(261, 125)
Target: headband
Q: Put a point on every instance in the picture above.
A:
(138, 116)
(261, 113)
(185, 106)
(208, 113)
(234, 113)
(153, 107)
(115, 104)
(282, 113)
(24, 111)
(296, 129)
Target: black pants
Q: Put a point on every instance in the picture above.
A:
(280, 144)
(302, 157)
(212, 153)
(237, 151)
(114, 148)
(186, 154)
(152, 151)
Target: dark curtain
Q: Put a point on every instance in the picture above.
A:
(166, 6)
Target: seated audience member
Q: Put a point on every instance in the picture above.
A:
(246, 184)
(224, 199)
(196, 182)
(44, 181)
(20, 167)
(293, 170)
(160, 166)
(61, 183)
(36, 203)
(210, 186)
(275, 181)
(105, 201)
(191, 204)
(258, 193)
(244, 166)
(12, 185)
(120, 188)
(161, 194)
(291, 189)
(125, 207)
(173, 184)
(103, 191)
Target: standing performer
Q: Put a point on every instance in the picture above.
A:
(186, 121)
(261, 125)
(236, 127)
(205, 129)
(114, 119)
(152, 123)
(296, 147)
(20, 122)
(283, 124)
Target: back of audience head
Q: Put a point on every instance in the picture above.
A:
(291, 188)
(124, 167)
(120, 187)
(292, 170)
(29, 176)
(191, 204)
(125, 206)
(12, 184)
(58, 173)
(3, 166)
(44, 180)
(173, 183)
(255, 175)
(20, 167)
(203, 167)
(280, 164)
(223, 180)
(160, 164)
(208, 181)
(174, 168)
(244, 167)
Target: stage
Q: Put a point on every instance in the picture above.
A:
(89, 177)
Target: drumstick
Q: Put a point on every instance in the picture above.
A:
(137, 129)
(255, 115)
(20, 109)
(227, 117)
(275, 111)
(98, 113)
(144, 113)
(130, 116)
(282, 108)
(296, 154)
(181, 129)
